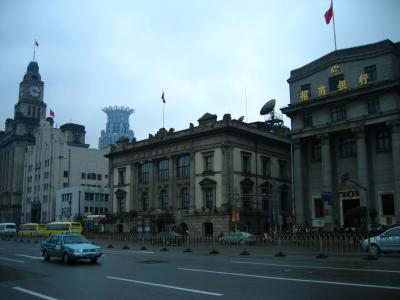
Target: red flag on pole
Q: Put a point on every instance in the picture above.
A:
(329, 14)
(36, 43)
(163, 98)
(52, 114)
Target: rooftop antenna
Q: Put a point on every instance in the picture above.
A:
(269, 108)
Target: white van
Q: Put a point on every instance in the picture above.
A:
(8, 228)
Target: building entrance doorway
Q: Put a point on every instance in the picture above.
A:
(349, 220)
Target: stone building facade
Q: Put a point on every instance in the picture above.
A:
(345, 113)
(19, 133)
(210, 178)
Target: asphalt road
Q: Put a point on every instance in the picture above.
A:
(173, 274)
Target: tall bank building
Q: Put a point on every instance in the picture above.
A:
(345, 113)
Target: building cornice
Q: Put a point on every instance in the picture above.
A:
(344, 55)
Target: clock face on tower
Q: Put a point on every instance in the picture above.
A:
(34, 91)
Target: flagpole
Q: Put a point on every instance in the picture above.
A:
(334, 30)
(34, 45)
(163, 115)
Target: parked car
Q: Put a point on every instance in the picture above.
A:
(169, 238)
(389, 241)
(238, 237)
(70, 246)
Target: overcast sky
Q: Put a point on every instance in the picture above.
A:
(207, 55)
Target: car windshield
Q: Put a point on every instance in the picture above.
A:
(75, 239)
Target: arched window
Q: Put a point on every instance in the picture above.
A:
(145, 201)
(185, 198)
(164, 199)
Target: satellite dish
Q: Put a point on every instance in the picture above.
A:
(268, 107)
(241, 119)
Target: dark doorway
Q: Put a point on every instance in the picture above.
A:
(35, 212)
(347, 205)
(208, 228)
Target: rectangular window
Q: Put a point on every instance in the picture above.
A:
(121, 175)
(387, 204)
(183, 166)
(348, 147)
(283, 172)
(373, 106)
(307, 120)
(65, 184)
(99, 176)
(208, 164)
(318, 208)
(246, 196)
(83, 175)
(209, 195)
(266, 166)
(334, 81)
(89, 176)
(65, 174)
(246, 162)
(306, 87)
(144, 168)
(339, 113)
(371, 72)
(163, 170)
(383, 141)
(316, 152)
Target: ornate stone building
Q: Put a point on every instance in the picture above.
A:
(345, 112)
(209, 178)
(19, 133)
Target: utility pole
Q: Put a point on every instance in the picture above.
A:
(345, 178)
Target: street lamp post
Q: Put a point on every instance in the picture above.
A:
(345, 178)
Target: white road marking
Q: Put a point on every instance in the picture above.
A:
(129, 251)
(166, 286)
(29, 256)
(14, 260)
(314, 267)
(296, 279)
(33, 293)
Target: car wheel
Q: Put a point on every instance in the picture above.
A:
(66, 259)
(93, 260)
(46, 255)
(375, 249)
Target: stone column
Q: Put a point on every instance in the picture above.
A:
(362, 166)
(192, 206)
(326, 172)
(298, 182)
(395, 130)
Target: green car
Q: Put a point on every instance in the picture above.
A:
(238, 237)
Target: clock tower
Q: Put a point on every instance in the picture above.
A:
(18, 135)
(30, 102)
